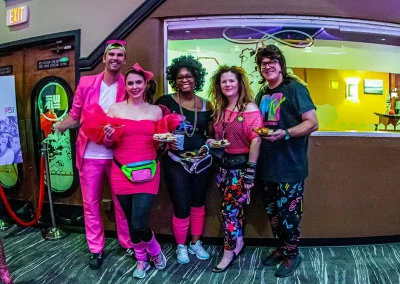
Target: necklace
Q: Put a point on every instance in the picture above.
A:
(225, 122)
(195, 114)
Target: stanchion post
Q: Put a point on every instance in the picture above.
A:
(52, 233)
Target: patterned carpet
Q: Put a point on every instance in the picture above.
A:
(33, 260)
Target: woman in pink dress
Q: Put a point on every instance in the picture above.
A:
(131, 137)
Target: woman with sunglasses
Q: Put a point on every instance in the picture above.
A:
(131, 136)
(187, 190)
(235, 117)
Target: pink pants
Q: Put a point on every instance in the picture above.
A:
(91, 177)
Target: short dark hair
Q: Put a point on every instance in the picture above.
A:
(193, 65)
(274, 53)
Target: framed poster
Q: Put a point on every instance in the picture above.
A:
(373, 87)
(10, 146)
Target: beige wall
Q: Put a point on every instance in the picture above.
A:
(96, 19)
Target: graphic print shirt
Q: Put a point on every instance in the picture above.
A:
(282, 108)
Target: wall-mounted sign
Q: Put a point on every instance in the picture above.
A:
(373, 87)
(6, 70)
(52, 63)
(17, 15)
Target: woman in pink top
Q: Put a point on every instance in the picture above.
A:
(234, 118)
(132, 140)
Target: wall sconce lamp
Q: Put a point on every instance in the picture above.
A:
(352, 89)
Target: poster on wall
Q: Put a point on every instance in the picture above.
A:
(10, 146)
(373, 87)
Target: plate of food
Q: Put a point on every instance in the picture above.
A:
(193, 156)
(164, 137)
(263, 131)
(219, 143)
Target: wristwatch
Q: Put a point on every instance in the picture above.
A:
(287, 136)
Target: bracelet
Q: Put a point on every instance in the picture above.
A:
(248, 179)
(252, 165)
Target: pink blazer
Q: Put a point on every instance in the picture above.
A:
(87, 93)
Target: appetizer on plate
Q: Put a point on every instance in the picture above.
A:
(164, 137)
(263, 131)
(219, 143)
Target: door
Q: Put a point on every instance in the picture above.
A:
(45, 76)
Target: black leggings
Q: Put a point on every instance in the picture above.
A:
(137, 209)
(186, 190)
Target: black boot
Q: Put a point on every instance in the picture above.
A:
(274, 258)
(95, 260)
(288, 266)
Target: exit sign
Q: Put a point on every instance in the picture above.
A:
(17, 15)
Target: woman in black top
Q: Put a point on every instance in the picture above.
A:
(187, 190)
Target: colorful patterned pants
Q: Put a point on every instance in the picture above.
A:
(284, 205)
(230, 184)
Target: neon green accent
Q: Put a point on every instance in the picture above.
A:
(40, 104)
(274, 107)
(64, 59)
(128, 171)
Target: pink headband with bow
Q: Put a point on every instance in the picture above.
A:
(147, 74)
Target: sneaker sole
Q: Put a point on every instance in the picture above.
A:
(165, 261)
(144, 276)
(181, 262)
(201, 258)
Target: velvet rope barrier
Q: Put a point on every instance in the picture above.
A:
(40, 203)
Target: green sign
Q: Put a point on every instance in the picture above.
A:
(53, 105)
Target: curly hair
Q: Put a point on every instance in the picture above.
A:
(193, 65)
(219, 101)
(274, 53)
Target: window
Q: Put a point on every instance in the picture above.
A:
(351, 67)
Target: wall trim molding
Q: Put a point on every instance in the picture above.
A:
(45, 39)
(130, 23)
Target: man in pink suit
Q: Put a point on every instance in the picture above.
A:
(93, 160)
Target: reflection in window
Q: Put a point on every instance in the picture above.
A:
(352, 77)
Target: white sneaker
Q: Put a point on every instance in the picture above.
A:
(141, 268)
(198, 250)
(182, 254)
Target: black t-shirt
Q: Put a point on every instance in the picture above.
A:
(203, 117)
(282, 108)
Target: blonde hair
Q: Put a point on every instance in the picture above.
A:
(218, 99)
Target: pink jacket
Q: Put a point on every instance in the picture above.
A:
(87, 93)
